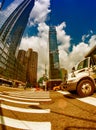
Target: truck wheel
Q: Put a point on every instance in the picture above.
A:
(85, 88)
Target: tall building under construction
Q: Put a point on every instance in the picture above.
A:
(54, 69)
(11, 33)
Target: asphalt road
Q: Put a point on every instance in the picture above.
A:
(69, 113)
(62, 112)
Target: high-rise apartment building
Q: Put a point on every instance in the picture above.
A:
(30, 59)
(32, 62)
(54, 69)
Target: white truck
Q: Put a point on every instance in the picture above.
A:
(83, 77)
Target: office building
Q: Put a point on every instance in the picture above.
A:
(11, 33)
(54, 69)
(12, 30)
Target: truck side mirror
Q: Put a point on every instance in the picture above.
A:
(73, 74)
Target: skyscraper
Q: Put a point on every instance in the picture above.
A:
(12, 30)
(54, 70)
(30, 59)
(11, 33)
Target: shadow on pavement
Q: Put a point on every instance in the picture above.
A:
(78, 118)
(74, 117)
(34, 107)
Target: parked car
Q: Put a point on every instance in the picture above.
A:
(55, 88)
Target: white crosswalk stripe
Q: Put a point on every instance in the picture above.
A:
(25, 110)
(28, 125)
(89, 100)
(27, 99)
(28, 94)
(19, 102)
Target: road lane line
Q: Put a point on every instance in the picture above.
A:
(25, 110)
(64, 92)
(21, 124)
(19, 102)
(88, 100)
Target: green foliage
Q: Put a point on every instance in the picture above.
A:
(28, 85)
(40, 80)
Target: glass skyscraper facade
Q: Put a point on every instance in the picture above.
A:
(11, 33)
(54, 69)
(12, 30)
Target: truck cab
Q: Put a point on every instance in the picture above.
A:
(82, 78)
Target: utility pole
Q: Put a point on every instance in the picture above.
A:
(45, 78)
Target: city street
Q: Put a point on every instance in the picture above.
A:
(47, 47)
(40, 110)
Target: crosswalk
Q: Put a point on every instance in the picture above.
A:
(14, 101)
(18, 107)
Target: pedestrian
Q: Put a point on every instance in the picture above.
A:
(25, 85)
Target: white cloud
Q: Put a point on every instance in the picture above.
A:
(92, 41)
(77, 54)
(63, 39)
(84, 37)
(39, 12)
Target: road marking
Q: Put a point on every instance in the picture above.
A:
(21, 124)
(26, 99)
(20, 102)
(26, 110)
(29, 94)
(89, 100)
(64, 92)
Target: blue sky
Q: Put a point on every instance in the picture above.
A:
(75, 21)
(79, 16)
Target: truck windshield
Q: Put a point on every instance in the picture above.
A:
(82, 64)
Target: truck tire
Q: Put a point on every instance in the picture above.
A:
(85, 88)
